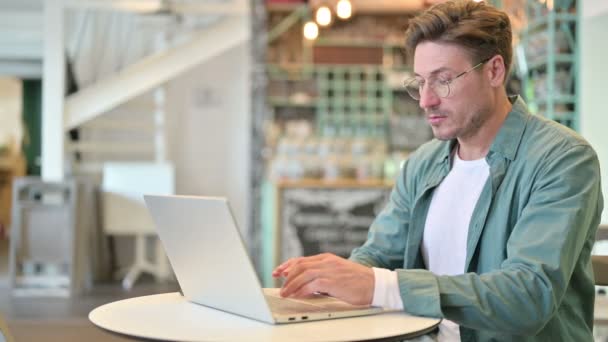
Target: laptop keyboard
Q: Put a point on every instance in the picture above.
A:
(319, 303)
(286, 306)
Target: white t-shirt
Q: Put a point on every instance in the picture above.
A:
(444, 243)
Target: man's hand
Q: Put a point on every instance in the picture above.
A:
(327, 273)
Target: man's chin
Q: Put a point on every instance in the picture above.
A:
(442, 135)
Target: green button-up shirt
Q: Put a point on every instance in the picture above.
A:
(528, 274)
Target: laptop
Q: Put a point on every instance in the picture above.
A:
(206, 251)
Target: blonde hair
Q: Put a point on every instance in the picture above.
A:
(481, 29)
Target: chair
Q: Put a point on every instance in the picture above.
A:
(124, 212)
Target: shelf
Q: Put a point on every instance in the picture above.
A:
(562, 99)
(290, 67)
(284, 7)
(551, 60)
(354, 42)
(334, 184)
(562, 58)
(564, 115)
(537, 24)
(351, 102)
(286, 102)
(559, 116)
(357, 96)
(348, 42)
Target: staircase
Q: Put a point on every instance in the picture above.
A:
(133, 131)
(122, 116)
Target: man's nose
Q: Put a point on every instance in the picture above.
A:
(428, 97)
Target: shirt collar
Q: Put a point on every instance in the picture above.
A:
(509, 136)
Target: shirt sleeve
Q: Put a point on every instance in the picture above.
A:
(387, 236)
(386, 289)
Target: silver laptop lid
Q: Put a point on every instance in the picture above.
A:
(207, 254)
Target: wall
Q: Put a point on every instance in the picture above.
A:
(593, 78)
(208, 124)
(593, 8)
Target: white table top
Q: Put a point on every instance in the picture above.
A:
(170, 316)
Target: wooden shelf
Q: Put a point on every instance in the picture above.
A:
(340, 183)
(289, 102)
(284, 7)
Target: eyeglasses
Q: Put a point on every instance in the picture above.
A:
(440, 87)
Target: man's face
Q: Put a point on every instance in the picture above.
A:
(463, 112)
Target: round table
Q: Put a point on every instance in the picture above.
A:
(170, 316)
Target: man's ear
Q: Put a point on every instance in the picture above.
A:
(496, 71)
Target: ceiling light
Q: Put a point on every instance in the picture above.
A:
(323, 16)
(311, 30)
(344, 9)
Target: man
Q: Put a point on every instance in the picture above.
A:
(490, 226)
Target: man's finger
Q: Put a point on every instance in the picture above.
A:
(282, 268)
(316, 286)
(304, 265)
(298, 278)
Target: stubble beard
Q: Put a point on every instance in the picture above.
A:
(470, 129)
(477, 120)
(436, 130)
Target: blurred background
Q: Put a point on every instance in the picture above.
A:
(293, 110)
